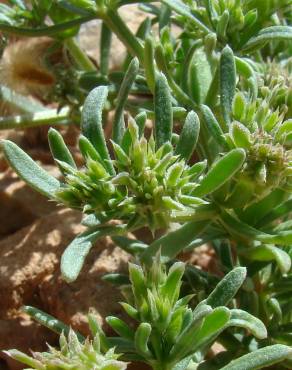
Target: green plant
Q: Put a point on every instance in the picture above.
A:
(168, 335)
(214, 167)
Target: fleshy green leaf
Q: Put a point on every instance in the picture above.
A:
(163, 111)
(74, 256)
(59, 149)
(268, 34)
(212, 326)
(29, 171)
(141, 339)
(189, 136)
(247, 321)
(260, 358)
(213, 126)
(149, 63)
(270, 253)
(221, 172)
(49, 321)
(245, 232)
(118, 121)
(174, 242)
(227, 82)
(185, 341)
(227, 288)
(240, 135)
(184, 10)
(120, 327)
(91, 123)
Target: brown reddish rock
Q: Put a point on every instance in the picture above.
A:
(20, 204)
(71, 302)
(30, 255)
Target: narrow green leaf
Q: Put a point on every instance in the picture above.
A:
(141, 339)
(138, 282)
(185, 342)
(247, 321)
(59, 149)
(213, 126)
(284, 130)
(227, 288)
(270, 253)
(163, 111)
(87, 149)
(245, 69)
(105, 47)
(54, 30)
(173, 281)
(120, 327)
(199, 75)
(117, 279)
(118, 121)
(221, 172)
(174, 242)
(96, 330)
(280, 211)
(245, 232)
(273, 33)
(184, 10)
(260, 358)
(91, 123)
(257, 212)
(212, 326)
(132, 246)
(74, 256)
(49, 321)
(189, 136)
(22, 357)
(149, 63)
(87, 9)
(227, 82)
(240, 135)
(29, 171)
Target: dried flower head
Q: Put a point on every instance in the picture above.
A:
(23, 69)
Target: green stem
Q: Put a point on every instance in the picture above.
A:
(44, 31)
(20, 103)
(105, 46)
(51, 116)
(118, 26)
(79, 56)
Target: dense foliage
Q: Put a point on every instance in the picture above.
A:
(214, 166)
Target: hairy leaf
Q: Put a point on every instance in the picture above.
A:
(227, 82)
(247, 321)
(221, 172)
(189, 136)
(163, 111)
(91, 123)
(29, 171)
(260, 358)
(227, 288)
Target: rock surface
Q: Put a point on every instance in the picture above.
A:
(29, 274)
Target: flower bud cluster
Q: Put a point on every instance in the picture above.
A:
(266, 138)
(149, 187)
(72, 355)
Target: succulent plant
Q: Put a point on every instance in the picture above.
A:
(211, 165)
